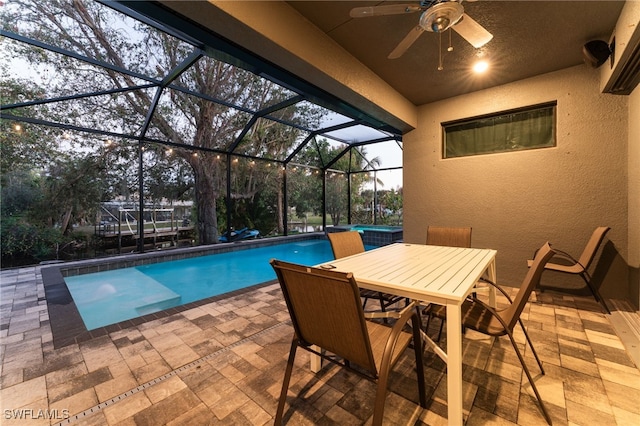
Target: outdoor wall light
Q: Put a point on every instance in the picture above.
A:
(596, 53)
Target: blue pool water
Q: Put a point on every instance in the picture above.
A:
(109, 297)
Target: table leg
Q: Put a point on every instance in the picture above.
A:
(315, 361)
(491, 272)
(454, 363)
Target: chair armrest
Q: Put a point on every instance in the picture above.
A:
(389, 314)
(491, 283)
(380, 314)
(404, 316)
(559, 254)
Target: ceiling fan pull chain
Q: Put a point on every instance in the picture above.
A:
(450, 48)
(440, 67)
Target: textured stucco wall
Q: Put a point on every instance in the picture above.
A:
(517, 201)
(634, 196)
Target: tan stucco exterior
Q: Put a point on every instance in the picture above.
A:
(517, 201)
(633, 161)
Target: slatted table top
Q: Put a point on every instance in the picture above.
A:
(417, 271)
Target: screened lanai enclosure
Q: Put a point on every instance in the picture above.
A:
(125, 128)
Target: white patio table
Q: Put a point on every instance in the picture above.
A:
(429, 274)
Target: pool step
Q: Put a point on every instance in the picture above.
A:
(159, 305)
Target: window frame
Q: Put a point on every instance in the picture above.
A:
(515, 112)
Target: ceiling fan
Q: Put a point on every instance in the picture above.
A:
(437, 16)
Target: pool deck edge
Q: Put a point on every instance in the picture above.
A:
(67, 326)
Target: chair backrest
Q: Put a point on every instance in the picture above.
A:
(531, 280)
(325, 310)
(345, 243)
(445, 236)
(592, 246)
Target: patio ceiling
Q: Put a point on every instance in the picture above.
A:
(529, 38)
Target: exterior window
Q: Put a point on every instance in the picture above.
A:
(515, 130)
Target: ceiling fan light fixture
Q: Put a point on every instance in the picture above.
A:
(480, 67)
(441, 17)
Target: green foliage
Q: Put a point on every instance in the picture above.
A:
(24, 240)
(22, 145)
(20, 192)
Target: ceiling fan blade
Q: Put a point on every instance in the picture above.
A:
(390, 9)
(406, 42)
(471, 31)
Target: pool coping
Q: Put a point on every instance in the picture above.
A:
(67, 326)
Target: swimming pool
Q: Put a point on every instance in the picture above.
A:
(109, 297)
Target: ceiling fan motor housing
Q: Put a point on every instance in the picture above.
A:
(441, 16)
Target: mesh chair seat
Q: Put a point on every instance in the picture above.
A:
(449, 236)
(379, 336)
(475, 316)
(580, 266)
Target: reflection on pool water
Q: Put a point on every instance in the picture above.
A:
(105, 298)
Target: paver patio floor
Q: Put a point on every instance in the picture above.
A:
(223, 362)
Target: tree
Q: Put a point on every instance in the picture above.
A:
(321, 152)
(73, 188)
(391, 202)
(22, 145)
(186, 113)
